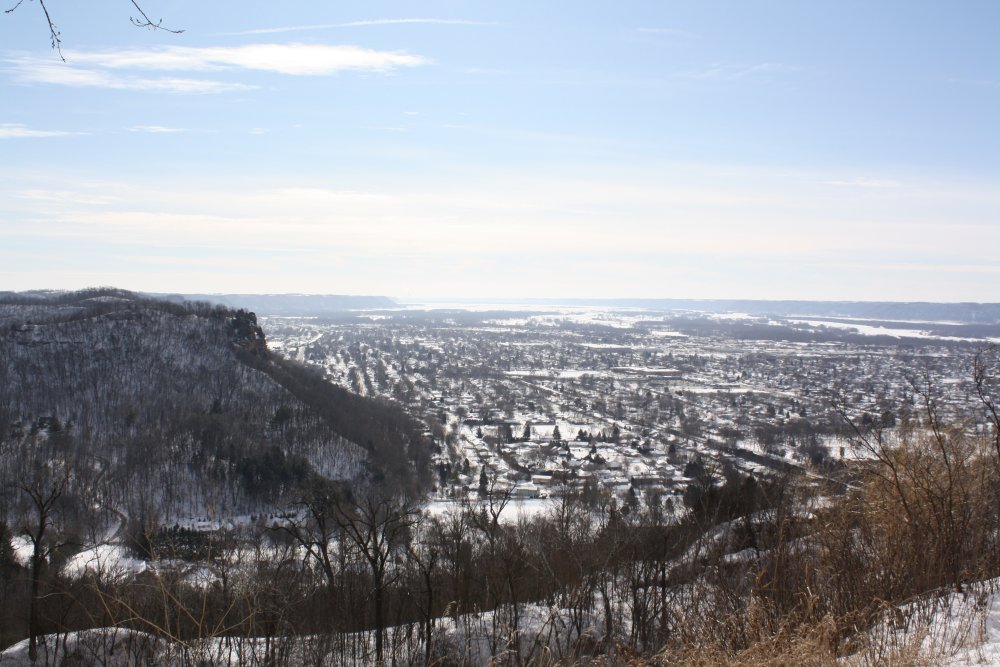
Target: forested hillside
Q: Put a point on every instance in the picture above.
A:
(156, 409)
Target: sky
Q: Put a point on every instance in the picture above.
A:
(702, 149)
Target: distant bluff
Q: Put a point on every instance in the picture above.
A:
(176, 408)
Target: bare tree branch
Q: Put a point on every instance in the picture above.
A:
(147, 23)
(56, 37)
(981, 377)
(53, 32)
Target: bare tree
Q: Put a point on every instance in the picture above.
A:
(44, 494)
(425, 552)
(985, 376)
(143, 21)
(316, 530)
(376, 525)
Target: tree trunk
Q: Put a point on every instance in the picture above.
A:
(379, 621)
(37, 563)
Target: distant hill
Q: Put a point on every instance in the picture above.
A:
(872, 310)
(162, 408)
(972, 313)
(290, 304)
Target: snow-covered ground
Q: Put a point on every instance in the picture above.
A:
(104, 558)
(870, 330)
(952, 630)
(513, 512)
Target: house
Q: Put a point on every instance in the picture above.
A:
(525, 490)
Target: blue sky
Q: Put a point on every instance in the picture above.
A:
(823, 150)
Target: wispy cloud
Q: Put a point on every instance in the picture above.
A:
(174, 261)
(102, 69)
(869, 183)
(731, 72)
(358, 24)
(37, 70)
(295, 59)
(63, 197)
(18, 131)
(433, 21)
(921, 267)
(740, 221)
(155, 129)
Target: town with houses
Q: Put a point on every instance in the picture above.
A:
(635, 402)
